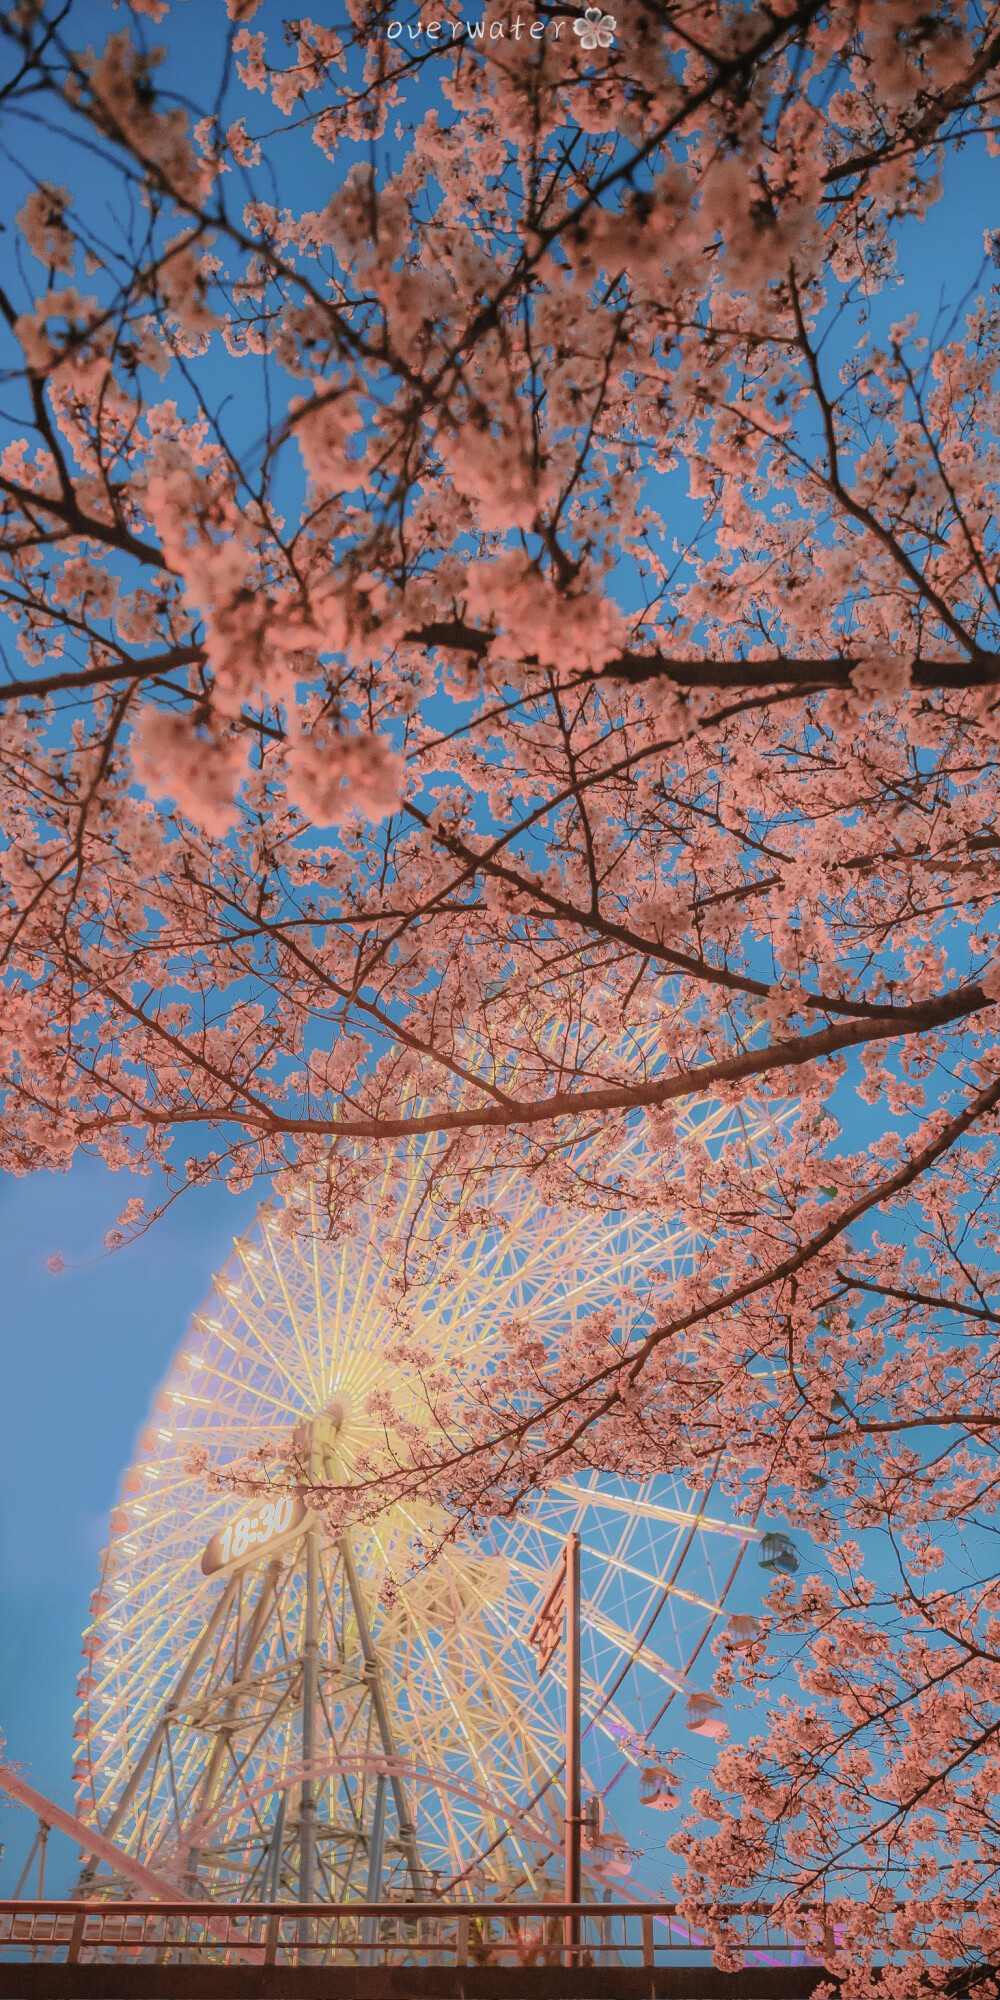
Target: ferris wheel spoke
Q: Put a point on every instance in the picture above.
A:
(306, 1359)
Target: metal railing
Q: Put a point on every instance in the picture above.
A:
(358, 1934)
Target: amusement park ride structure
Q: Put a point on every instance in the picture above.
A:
(273, 1708)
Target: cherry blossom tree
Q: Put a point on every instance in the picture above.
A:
(491, 653)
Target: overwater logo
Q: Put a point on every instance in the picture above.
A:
(595, 29)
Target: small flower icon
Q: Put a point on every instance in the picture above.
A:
(596, 30)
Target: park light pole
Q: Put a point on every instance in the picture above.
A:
(559, 1607)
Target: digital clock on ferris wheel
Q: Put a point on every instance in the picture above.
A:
(258, 1531)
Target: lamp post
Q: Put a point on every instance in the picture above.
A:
(562, 1603)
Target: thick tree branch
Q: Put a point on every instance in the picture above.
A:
(635, 669)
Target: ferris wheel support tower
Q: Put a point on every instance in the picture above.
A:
(233, 1688)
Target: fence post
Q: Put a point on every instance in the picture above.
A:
(271, 1940)
(647, 1940)
(76, 1937)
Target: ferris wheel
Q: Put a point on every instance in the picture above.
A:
(273, 1709)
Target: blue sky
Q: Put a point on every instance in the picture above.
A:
(82, 1353)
